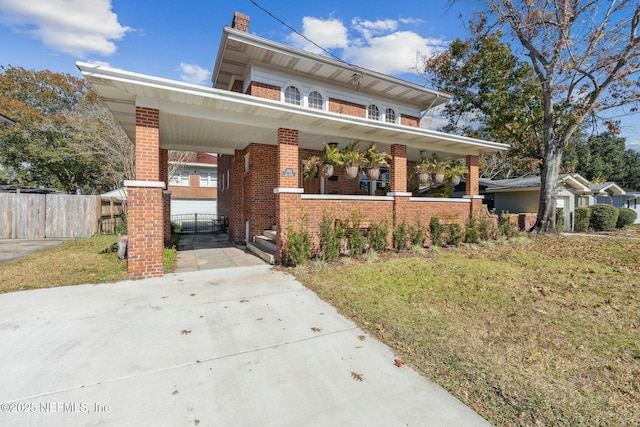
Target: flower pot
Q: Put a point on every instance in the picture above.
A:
(351, 171)
(424, 177)
(438, 177)
(373, 174)
(326, 170)
(455, 180)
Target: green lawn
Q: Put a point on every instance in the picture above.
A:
(71, 263)
(543, 331)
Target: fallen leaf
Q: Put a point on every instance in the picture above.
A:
(192, 295)
(244, 300)
(196, 422)
(185, 331)
(259, 318)
(361, 337)
(164, 297)
(175, 392)
(399, 362)
(314, 329)
(356, 376)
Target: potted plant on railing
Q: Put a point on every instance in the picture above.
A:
(373, 160)
(351, 159)
(455, 171)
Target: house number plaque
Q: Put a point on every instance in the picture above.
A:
(288, 172)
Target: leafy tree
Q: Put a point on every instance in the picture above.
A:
(63, 137)
(598, 158)
(584, 54)
(495, 96)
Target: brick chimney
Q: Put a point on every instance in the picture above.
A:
(240, 22)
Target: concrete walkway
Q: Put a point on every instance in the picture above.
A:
(209, 251)
(16, 248)
(244, 346)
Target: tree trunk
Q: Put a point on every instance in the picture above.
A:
(546, 221)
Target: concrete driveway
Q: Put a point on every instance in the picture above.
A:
(16, 248)
(246, 346)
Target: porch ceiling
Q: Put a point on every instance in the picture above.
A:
(197, 118)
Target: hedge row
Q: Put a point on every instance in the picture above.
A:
(601, 217)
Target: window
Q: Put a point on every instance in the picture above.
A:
(179, 178)
(373, 112)
(292, 95)
(375, 188)
(208, 179)
(315, 100)
(390, 115)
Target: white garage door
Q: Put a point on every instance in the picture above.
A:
(191, 206)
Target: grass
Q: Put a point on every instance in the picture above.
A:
(73, 262)
(540, 331)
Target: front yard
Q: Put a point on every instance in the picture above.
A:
(539, 331)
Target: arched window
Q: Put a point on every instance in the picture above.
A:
(315, 100)
(292, 95)
(374, 112)
(390, 115)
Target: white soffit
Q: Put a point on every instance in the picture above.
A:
(198, 118)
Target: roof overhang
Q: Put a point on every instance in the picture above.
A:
(239, 49)
(197, 118)
(608, 189)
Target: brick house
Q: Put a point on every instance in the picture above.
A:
(270, 108)
(194, 184)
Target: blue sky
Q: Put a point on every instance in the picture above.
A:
(179, 40)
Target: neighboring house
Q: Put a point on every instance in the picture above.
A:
(630, 200)
(194, 185)
(522, 195)
(271, 108)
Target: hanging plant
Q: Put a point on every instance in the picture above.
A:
(455, 172)
(324, 164)
(352, 159)
(373, 160)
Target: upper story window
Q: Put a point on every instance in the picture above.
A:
(315, 100)
(208, 179)
(180, 177)
(390, 115)
(373, 112)
(292, 95)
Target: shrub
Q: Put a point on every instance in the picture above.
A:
(603, 217)
(487, 229)
(378, 235)
(472, 234)
(436, 229)
(121, 228)
(417, 233)
(400, 232)
(456, 234)
(357, 239)
(508, 228)
(559, 219)
(331, 234)
(626, 217)
(298, 244)
(582, 217)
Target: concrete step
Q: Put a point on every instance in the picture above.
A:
(271, 234)
(265, 256)
(265, 244)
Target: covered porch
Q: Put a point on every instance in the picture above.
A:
(263, 143)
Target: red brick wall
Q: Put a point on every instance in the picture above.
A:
(225, 163)
(147, 144)
(345, 107)
(236, 187)
(192, 192)
(409, 120)
(259, 182)
(473, 176)
(398, 168)
(263, 90)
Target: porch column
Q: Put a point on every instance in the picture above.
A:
(236, 209)
(398, 183)
(288, 191)
(472, 187)
(145, 223)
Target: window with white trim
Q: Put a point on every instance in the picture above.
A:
(208, 179)
(373, 112)
(373, 188)
(292, 95)
(315, 100)
(390, 115)
(180, 178)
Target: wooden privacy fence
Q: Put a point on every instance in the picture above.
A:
(39, 216)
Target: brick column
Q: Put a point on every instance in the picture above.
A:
(472, 186)
(166, 195)
(399, 168)
(288, 190)
(236, 209)
(146, 210)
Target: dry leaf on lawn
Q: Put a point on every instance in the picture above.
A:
(356, 376)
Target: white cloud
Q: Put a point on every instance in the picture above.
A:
(192, 73)
(76, 27)
(328, 33)
(379, 45)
